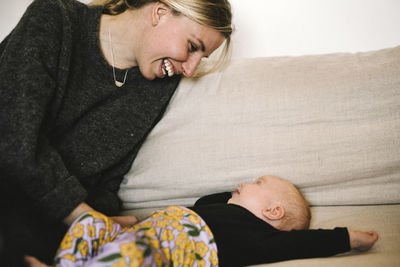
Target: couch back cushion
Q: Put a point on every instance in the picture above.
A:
(328, 123)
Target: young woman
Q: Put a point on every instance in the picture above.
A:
(80, 88)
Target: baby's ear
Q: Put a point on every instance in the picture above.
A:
(275, 212)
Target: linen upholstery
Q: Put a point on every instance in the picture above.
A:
(328, 123)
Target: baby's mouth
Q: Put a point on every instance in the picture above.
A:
(167, 68)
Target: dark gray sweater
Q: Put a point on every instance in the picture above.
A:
(67, 133)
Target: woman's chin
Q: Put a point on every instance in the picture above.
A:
(149, 75)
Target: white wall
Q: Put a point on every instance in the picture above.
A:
(291, 27)
(296, 27)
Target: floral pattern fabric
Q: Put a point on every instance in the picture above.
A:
(175, 236)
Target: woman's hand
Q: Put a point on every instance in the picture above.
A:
(362, 241)
(81, 208)
(125, 221)
(33, 262)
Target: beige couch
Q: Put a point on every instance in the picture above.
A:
(328, 123)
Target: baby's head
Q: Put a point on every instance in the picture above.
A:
(274, 200)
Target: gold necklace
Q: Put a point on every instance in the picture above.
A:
(117, 83)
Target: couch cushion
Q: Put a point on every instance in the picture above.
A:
(328, 123)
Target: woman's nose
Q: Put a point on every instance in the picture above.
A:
(190, 66)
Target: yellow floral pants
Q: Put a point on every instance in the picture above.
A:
(175, 236)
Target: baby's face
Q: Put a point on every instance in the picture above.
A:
(260, 194)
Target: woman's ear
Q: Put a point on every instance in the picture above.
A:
(158, 11)
(275, 212)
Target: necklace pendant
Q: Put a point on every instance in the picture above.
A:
(118, 83)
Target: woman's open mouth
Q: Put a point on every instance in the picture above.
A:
(167, 68)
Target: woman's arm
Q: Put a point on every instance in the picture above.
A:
(29, 82)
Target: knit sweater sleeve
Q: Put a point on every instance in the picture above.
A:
(32, 71)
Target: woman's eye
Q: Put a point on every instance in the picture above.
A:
(192, 47)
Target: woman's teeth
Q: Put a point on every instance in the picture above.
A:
(168, 68)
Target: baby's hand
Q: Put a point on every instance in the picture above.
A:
(362, 241)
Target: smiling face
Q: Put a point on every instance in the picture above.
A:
(174, 44)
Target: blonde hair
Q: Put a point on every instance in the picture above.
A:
(297, 211)
(215, 14)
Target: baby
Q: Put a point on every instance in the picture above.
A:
(268, 221)
(265, 221)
